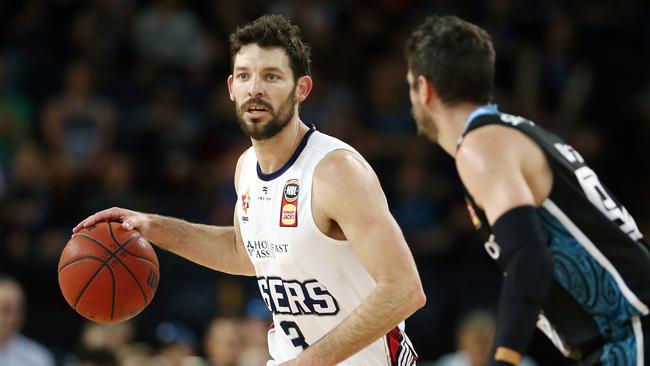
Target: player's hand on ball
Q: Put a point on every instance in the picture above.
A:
(131, 220)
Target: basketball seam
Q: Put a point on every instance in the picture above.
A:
(136, 235)
(114, 255)
(113, 292)
(110, 229)
(77, 260)
(123, 246)
(88, 284)
(143, 258)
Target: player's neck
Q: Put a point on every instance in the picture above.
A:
(273, 153)
(452, 125)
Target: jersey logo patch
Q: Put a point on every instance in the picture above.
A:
(289, 207)
(245, 204)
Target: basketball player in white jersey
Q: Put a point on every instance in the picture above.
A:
(311, 220)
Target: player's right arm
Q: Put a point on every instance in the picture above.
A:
(508, 176)
(218, 248)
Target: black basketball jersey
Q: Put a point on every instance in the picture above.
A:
(601, 260)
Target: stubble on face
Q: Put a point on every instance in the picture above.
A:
(424, 122)
(259, 130)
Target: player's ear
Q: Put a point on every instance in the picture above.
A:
(425, 90)
(303, 88)
(229, 82)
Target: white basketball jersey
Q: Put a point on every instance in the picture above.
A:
(309, 281)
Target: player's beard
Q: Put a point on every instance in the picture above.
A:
(425, 123)
(265, 130)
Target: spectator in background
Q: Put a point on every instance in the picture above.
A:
(26, 204)
(177, 344)
(168, 34)
(255, 350)
(416, 208)
(171, 131)
(99, 34)
(16, 349)
(16, 116)
(474, 340)
(136, 354)
(78, 124)
(112, 337)
(223, 342)
(104, 344)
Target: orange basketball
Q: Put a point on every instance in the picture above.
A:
(108, 274)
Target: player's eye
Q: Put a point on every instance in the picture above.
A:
(243, 76)
(271, 77)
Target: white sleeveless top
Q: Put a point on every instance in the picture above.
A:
(309, 281)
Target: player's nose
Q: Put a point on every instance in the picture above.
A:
(255, 87)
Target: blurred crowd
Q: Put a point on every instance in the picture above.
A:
(124, 103)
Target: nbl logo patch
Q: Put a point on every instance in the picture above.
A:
(289, 207)
(290, 191)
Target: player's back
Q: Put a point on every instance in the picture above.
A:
(309, 281)
(601, 261)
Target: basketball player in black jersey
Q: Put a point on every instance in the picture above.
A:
(576, 264)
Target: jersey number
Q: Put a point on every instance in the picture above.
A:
(291, 329)
(600, 198)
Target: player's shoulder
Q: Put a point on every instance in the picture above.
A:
(497, 134)
(240, 163)
(337, 157)
(344, 183)
(341, 164)
(340, 167)
(487, 144)
(342, 172)
(497, 146)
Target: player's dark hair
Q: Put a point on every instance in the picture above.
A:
(456, 56)
(274, 31)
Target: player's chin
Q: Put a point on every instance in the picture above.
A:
(253, 125)
(255, 128)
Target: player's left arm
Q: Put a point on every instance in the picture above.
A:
(508, 176)
(348, 192)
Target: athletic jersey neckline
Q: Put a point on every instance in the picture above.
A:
(289, 163)
(490, 108)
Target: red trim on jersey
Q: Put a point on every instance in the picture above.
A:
(398, 346)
